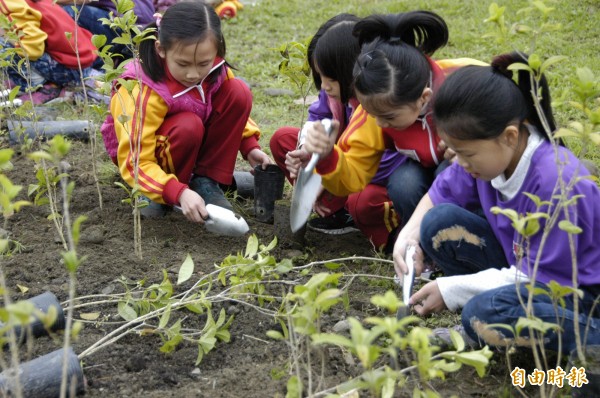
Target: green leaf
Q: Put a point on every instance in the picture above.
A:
(186, 270)
(569, 227)
(164, 319)
(5, 156)
(275, 335)
(294, 388)
(77, 228)
(39, 155)
(457, 340)
(126, 311)
(251, 246)
(332, 266)
(477, 359)
(170, 345)
(389, 301)
(330, 338)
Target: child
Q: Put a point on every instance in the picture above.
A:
(54, 57)
(187, 120)
(89, 12)
(504, 155)
(331, 55)
(394, 80)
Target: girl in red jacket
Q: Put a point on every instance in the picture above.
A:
(394, 81)
(176, 134)
(54, 45)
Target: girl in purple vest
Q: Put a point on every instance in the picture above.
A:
(503, 156)
(179, 131)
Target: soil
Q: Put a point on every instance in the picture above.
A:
(133, 366)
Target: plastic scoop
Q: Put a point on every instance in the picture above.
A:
(222, 221)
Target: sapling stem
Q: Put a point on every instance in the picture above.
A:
(12, 341)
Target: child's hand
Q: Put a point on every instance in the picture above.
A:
(319, 207)
(317, 140)
(294, 160)
(256, 157)
(193, 206)
(400, 252)
(428, 299)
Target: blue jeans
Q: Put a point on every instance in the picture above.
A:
(47, 68)
(407, 185)
(89, 18)
(502, 306)
(459, 241)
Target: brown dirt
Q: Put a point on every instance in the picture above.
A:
(134, 366)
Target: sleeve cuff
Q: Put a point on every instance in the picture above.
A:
(248, 144)
(328, 164)
(172, 191)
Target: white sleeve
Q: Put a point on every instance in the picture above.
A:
(457, 290)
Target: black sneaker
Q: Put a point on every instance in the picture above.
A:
(338, 223)
(210, 191)
(153, 209)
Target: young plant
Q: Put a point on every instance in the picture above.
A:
(130, 35)
(295, 67)
(387, 338)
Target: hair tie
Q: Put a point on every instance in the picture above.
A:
(158, 17)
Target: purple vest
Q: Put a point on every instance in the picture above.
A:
(177, 103)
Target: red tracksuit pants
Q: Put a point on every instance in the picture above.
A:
(186, 145)
(283, 141)
(371, 209)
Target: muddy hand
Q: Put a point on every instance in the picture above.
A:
(428, 299)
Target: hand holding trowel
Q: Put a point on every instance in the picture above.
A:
(306, 188)
(222, 221)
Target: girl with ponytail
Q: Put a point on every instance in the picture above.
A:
(504, 155)
(394, 79)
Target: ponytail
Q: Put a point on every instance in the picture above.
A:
(151, 62)
(479, 102)
(524, 81)
(423, 30)
(393, 60)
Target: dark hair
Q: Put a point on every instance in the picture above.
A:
(479, 102)
(393, 63)
(333, 51)
(183, 23)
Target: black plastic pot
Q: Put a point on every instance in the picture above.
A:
(42, 302)
(592, 372)
(42, 377)
(268, 187)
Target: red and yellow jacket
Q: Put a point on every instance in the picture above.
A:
(43, 26)
(158, 103)
(356, 156)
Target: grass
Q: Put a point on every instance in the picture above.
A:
(258, 30)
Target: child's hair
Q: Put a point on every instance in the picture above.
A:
(479, 102)
(392, 64)
(182, 24)
(333, 50)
